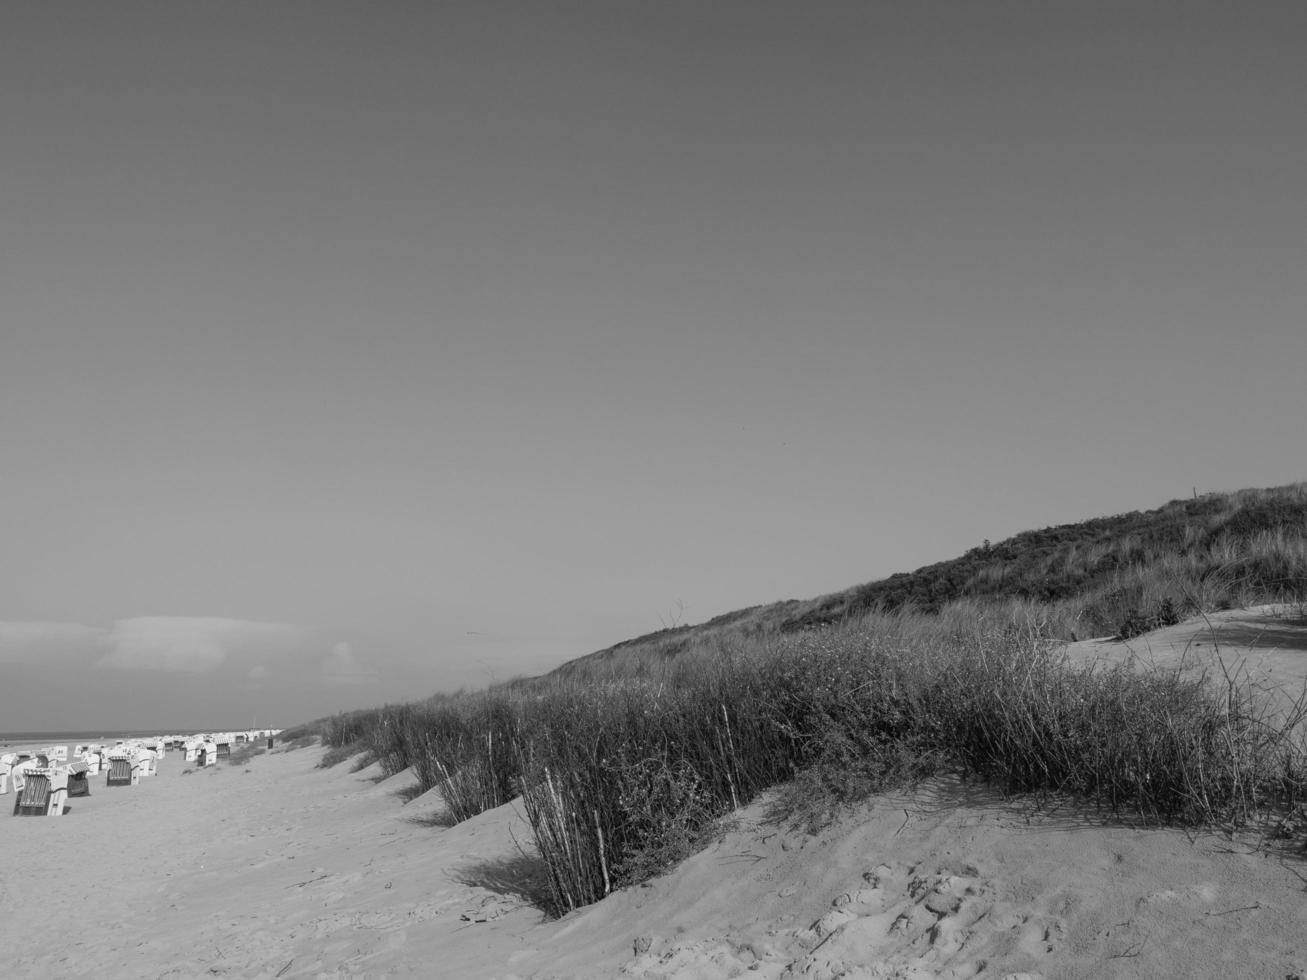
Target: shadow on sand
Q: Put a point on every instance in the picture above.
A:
(520, 876)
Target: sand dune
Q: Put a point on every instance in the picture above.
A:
(275, 868)
(1264, 645)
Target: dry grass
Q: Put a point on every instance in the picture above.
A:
(243, 754)
(619, 781)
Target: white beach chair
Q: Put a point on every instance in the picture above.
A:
(120, 770)
(45, 788)
(6, 763)
(208, 754)
(38, 789)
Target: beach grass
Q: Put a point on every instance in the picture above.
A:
(242, 754)
(623, 777)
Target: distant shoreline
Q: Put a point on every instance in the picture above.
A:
(101, 735)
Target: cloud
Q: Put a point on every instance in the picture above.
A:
(45, 642)
(192, 644)
(341, 667)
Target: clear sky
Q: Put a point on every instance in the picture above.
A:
(355, 351)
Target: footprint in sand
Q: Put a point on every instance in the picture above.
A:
(490, 907)
(1038, 936)
(906, 923)
(707, 959)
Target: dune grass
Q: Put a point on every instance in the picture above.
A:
(1110, 574)
(1117, 575)
(243, 753)
(621, 777)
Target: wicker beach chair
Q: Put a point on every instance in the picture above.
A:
(120, 771)
(78, 782)
(43, 794)
(33, 800)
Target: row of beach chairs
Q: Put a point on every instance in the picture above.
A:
(43, 781)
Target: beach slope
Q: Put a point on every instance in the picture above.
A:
(273, 867)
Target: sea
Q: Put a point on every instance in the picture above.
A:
(105, 735)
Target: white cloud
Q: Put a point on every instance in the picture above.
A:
(191, 644)
(45, 642)
(258, 673)
(341, 667)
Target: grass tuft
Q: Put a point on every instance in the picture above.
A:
(242, 755)
(337, 754)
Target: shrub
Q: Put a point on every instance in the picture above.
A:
(1138, 622)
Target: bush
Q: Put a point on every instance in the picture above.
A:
(1138, 622)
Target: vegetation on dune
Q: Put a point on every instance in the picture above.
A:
(1121, 575)
(624, 761)
(623, 779)
(242, 754)
(1116, 575)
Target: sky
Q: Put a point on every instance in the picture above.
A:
(351, 352)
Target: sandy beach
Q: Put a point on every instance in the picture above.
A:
(730, 427)
(276, 868)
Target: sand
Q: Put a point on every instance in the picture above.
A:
(1265, 646)
(275, 868)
